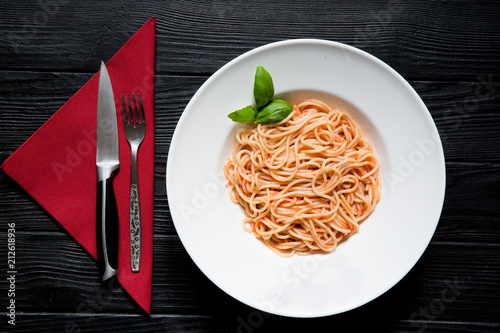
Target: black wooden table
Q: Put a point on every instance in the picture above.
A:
(449, 51)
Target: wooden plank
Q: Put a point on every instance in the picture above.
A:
(450, 281)
(76, 323)
(463, 111)
(71, 323)
(200, 37)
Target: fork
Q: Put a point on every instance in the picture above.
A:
(134, 124)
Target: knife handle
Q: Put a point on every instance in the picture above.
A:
(107, 229)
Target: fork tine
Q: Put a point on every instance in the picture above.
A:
(136, 114)
(132, 115)
(124, 110)
(143, 118)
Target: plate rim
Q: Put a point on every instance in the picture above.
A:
(341, 46)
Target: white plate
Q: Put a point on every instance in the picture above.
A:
(389, 242)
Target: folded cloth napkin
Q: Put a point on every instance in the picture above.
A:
(56, 165)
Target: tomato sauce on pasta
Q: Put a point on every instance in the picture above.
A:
(305, 183)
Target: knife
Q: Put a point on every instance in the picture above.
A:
(107, 161)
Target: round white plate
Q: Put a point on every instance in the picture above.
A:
(389, 242)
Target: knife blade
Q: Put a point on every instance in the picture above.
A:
(107, 162)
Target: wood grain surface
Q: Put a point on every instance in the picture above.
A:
(449, 51)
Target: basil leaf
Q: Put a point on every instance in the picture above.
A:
(263, 88)
(274, 112)
(244, 116)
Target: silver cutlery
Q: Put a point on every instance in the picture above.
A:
(134, 123)
(107, 162)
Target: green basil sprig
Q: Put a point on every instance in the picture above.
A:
(267, 110)
(263, 87)
(273, 112)
(244, 116)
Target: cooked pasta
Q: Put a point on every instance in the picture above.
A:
(306, 182)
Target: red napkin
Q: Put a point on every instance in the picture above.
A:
(56, 165)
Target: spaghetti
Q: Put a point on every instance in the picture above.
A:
(306, 182)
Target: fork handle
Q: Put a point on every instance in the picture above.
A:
(135, 217)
